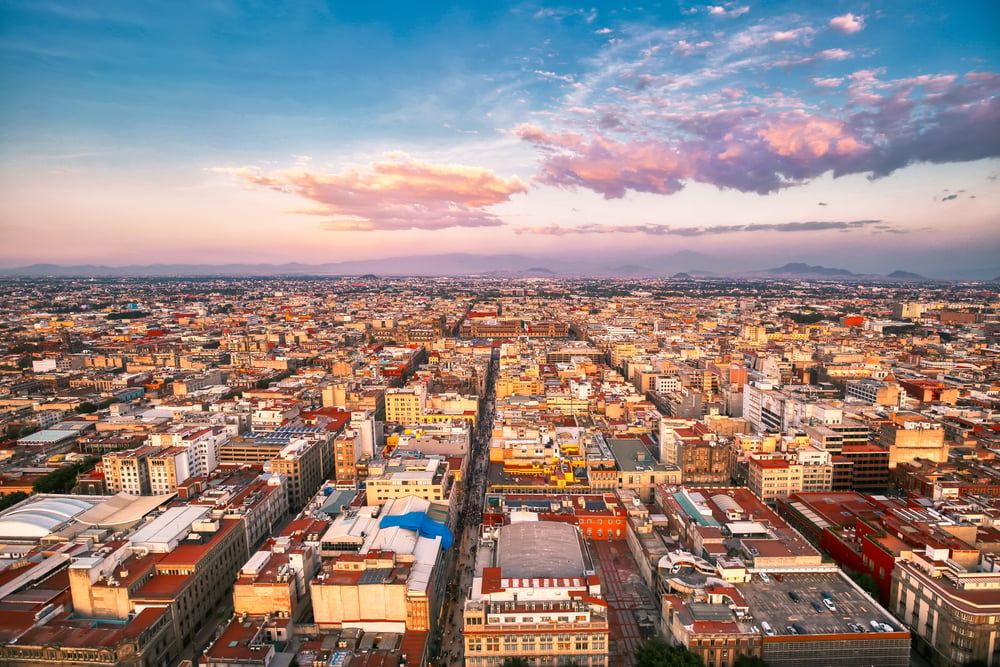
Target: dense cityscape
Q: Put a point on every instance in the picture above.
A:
(544, 471)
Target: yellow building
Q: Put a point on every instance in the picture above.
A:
(423, 478)
(405, 405)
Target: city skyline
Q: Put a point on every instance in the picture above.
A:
(858, 135)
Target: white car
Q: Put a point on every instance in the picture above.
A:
(763, 577)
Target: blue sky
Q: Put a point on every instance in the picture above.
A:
(858, 134)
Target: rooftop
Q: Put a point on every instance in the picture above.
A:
(540, 549)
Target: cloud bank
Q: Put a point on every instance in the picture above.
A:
(393, 195)
(667, 230)
(882, 126)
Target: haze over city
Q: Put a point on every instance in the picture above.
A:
(860, 135)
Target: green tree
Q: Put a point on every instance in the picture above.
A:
(657, 653)
(750, 661)
(62, 480)
(86, 408)
(10, 499)
(515, 662)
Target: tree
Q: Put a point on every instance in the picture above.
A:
(62, 480)
(750, 661)
(515, 662)
(657, 653)
(86, 408)
(10, 499)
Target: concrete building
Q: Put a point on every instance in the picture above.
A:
(425, 478)
(873, 392)
(128, 471)
(180, 561)
(405, 405)
(304, 455)
(380, 569)
(774, 476)
(638, 470)
(275, 580)
(954, 610)
(535, 596)
(910, 436)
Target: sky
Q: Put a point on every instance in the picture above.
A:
(862, 135)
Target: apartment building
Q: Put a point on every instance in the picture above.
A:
(405, 405)
(910, 436)
(128, 471)
(304, 455)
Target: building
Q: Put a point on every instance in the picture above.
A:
(599, 516)
(873, 392)
(535, 596)
(275, 580)
(405, 405)
(910, 436)
(694, 448)
(304, 455)
(771, 476)
(128, 471)
(181, 561)
(380, 569)
(638, 470)
(953, 610)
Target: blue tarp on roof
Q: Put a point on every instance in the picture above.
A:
(421, 523)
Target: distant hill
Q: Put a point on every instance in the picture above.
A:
(905, 275)
(802, 269)
(679, 265)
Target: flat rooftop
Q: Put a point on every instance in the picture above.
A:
(540, 549)
(770, 602)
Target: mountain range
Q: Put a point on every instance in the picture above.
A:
(466, 264)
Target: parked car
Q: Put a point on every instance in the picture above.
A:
(794, 596)
(779, 577)
(829, 604)
(763, 577)
(817, 606)
(768, 630)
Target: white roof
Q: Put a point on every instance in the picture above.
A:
(162, 533)
(38, 516)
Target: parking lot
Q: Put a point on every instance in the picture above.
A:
(770, 602)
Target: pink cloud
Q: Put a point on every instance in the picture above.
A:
(795, 35)
(820, 56)
(685, 48)
(831, 82)
(803, 136)
(763, 148)
(401, 194)
(847, 23)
